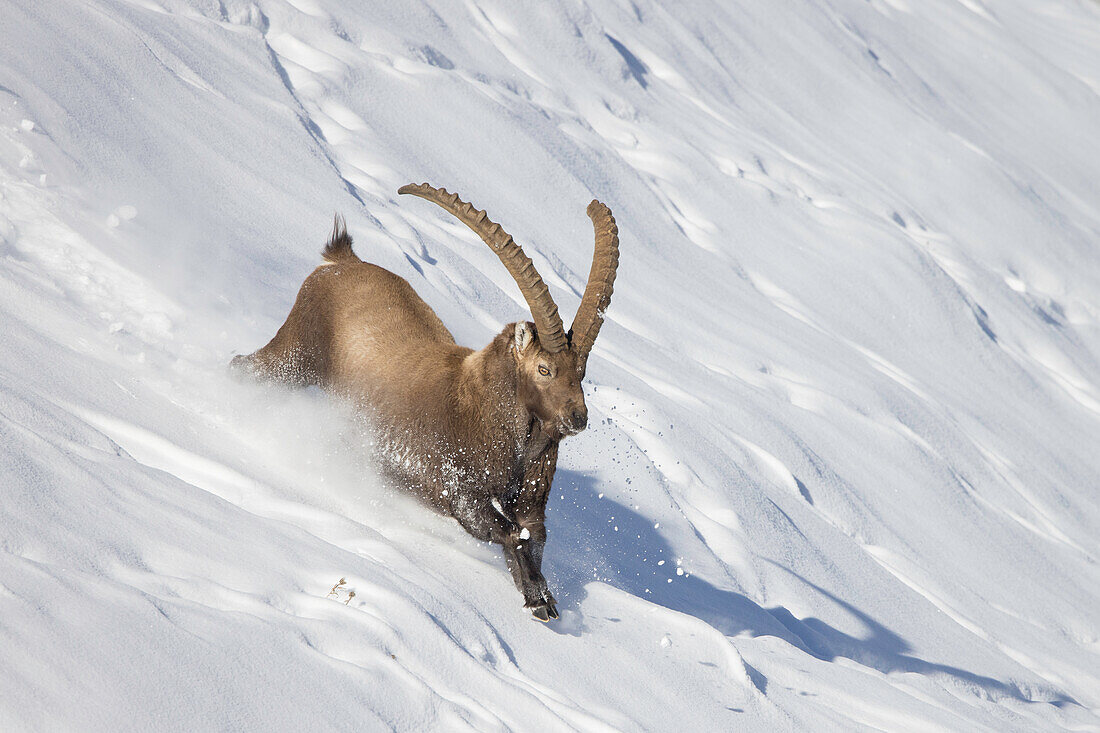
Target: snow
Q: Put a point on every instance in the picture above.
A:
(841, 466)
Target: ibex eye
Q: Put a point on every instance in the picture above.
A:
(544, 371)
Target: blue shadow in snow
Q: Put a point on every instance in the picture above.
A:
(635, 67)
(583, 545)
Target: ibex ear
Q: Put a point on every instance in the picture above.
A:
(524, 336)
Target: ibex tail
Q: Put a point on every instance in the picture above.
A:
(338, 248)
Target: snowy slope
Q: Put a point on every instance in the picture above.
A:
(842, 469)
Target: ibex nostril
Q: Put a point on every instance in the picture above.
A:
(580, 419)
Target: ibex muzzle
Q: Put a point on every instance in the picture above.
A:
(473, 433)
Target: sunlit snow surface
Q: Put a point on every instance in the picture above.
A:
(843, 464)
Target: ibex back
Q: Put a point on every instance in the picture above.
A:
(473, 433)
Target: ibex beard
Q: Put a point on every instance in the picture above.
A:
(475, 434)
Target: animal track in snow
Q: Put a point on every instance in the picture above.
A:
(309, 7)
(80, 270)
(301, 54)
(121, 214)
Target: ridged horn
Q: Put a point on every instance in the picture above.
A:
(601, 281)
(544, 311)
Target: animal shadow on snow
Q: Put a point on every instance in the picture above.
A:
(583, 546)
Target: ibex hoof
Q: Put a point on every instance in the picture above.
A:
(544, 613)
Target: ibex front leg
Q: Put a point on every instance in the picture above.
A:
(533, 538)
(531, 518)
(523, 538)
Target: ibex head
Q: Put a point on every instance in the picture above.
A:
(549, 384)
(550, 363)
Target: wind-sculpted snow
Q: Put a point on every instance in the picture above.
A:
(841, 467)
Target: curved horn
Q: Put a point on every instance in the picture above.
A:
(544, 311)
(601, 281)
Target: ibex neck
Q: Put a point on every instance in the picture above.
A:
(488, 393)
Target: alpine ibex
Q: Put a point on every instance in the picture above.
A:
(473, 433)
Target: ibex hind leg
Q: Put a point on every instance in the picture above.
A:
(277, 362)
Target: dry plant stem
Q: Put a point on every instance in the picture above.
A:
(334, 590)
